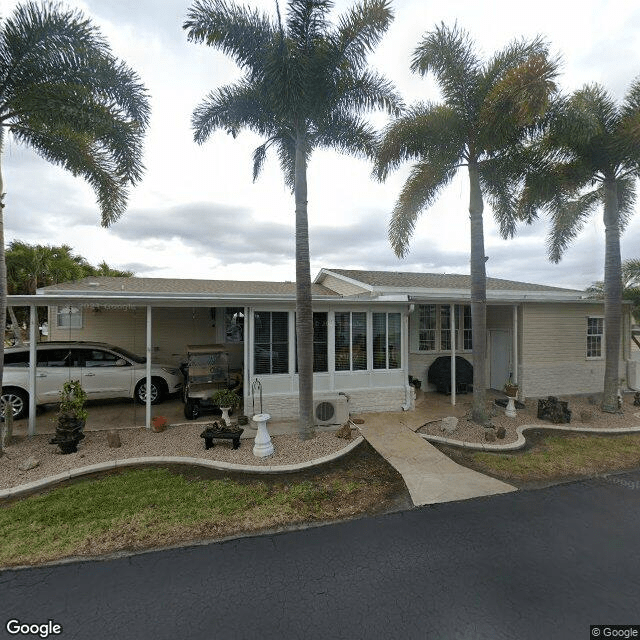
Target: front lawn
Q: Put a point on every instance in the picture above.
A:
(155, 507)
(552, 457)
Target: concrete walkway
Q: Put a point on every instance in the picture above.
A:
(430, 476)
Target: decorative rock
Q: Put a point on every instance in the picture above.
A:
(554, 410)
(113, 439)
(449, 424)
(586, 416)
(344, 431)
(29, 463)
(489, 435)
(636, 399)
(501, 432)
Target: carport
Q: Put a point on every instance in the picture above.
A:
(147, 303)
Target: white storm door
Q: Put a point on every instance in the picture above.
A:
(500, 345)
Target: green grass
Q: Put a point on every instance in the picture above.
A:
(147, 507)
(562, 456)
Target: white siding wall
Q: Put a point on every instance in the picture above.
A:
(553, 359)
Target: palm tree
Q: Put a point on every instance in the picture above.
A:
(305, 85)
(64, 94)
(630, 272)
(589, 158)
(488, 111)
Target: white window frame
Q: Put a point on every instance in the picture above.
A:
(74, 315)
(368, 341)
(594, 335)
(386, 367)
(460, 330)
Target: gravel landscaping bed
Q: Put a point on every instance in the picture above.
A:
(585, 414)
(180, 440)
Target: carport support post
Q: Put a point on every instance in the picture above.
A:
(33, 323)
(148, 400)
(452, 312)
(514, 373)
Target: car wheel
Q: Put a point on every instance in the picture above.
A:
(191, 410)
(17, 399)
(157, 391)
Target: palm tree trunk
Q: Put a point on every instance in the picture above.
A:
(612, 297)
(3, 272)
(478, 298)
(304, 310)
(17, 334)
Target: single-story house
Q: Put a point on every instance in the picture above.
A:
(372, 330)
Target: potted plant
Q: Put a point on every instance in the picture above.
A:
(511, 389)
(227, 400)
(72, 417)
(158, 423)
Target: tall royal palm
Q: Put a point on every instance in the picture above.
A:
(63, 94)
(488, 110)
(590, 161)
(305, 85)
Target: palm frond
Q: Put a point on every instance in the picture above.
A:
(78, 154)
(347, 133)
(516, 102)
(429, 132)
(418, 193)
(232, 108)
(239, 32)
(367, 91)
(568, 221)
(360, 30)
(626, 192)
(307, 20)
(631, 272)
(447, 52)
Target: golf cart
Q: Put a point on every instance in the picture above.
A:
(205, 372)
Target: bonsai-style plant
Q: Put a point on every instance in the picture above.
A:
(71, 418)
(226, 398)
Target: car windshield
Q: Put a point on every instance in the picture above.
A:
(128, 354)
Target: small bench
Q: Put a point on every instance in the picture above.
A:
(210, 435)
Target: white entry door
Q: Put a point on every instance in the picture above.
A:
(500, 347)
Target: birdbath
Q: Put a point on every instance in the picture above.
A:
(262, 446)
(510, 410)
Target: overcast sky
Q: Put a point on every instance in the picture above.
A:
(197, 213)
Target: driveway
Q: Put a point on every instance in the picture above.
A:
(526, 565)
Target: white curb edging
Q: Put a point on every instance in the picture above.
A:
(43, 483)
(521, 441)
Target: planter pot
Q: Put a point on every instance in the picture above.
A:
(159, 423)
(511, 391)
(69, 432)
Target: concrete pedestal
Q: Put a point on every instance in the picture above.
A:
(510, 411)
(262, 446)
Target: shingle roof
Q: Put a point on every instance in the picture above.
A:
(404, 279)
(187, 286)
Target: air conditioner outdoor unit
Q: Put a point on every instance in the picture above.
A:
(330, 411)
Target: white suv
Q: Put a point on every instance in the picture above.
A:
(104, 371)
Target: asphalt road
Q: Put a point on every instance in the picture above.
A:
(537, 565)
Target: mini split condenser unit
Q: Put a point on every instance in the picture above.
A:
(331, 411)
